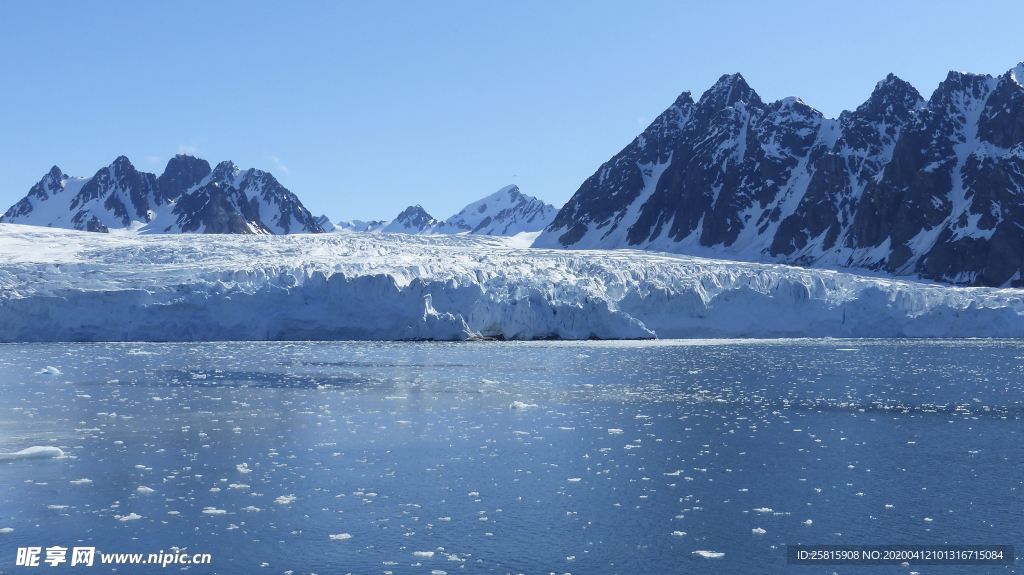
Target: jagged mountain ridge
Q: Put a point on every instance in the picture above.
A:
(933, 189)
(506, 212)
(189, 197)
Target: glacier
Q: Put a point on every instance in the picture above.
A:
(66, 285)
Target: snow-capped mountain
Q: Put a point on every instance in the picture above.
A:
(902, 185)
(187, 197)
(412, 220)
(506, 212)
(349, 226)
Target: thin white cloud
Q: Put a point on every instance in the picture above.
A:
(183, 149)
(153, 159)
(279, 165)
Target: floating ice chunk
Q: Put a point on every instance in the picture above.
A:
(129, 517)
(423, 553)
(174, 512)
(243, 467)
(928, 519)
(758, 531)
(214, 489)
(285, 499)
(6, 530)
(82, 481)
(614, 432)
(251, 508)
(521, 405)
(58, 507)
(213, 511)
(341, 537)
(144, 489)
(438, 572)
(709, 554)
(763, 510)
(49, 370)
(444, 518)
(35, 452)
(238, 486)
(474, 494)
(574, 479)
(679, 533)
(808, 522)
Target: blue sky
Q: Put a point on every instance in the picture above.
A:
(365, 108)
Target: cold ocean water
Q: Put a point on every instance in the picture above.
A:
(564, 457)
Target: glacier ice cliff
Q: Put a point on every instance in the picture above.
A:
(62, 285)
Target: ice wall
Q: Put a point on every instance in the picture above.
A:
(58, 285)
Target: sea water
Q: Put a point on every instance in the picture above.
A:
(487, 457)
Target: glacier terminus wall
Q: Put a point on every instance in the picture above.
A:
(65, 285)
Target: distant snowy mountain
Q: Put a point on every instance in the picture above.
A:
(933, 189)
(350, 225)
(187, 197)
(506, 212)
(413, 220)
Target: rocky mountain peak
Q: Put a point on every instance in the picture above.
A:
(727, 91)
(960, 87)
(891, 97)
(412, 220)
(685, 99)
(181, 174)
(122, 165)
(224, 170)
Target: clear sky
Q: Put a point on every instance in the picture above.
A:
(363, 108)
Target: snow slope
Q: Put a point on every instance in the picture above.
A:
(61, 285)
(506, 212)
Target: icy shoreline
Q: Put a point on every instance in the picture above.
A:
(59, 285)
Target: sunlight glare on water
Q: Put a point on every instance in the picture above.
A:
(484, 457)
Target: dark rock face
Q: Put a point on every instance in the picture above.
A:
(187, 197)
(182, 172)
(933, 188)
